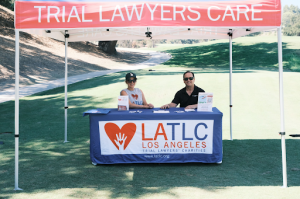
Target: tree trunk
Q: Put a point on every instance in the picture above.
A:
(108, 46)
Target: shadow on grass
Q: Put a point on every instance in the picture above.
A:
(46, 165)
(119, 77)
(254, 56)
(206, 59)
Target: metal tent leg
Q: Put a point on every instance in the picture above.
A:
(282, 132)
(230, 81)
(66, 86)
(17, 52)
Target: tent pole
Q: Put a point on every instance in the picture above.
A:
(282, 132)
(66, 85)
(17, 52)
(230, 83)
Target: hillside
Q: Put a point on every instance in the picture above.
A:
(42, 59)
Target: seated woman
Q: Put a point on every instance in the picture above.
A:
(135, 95)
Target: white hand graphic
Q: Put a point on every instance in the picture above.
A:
(120, 141)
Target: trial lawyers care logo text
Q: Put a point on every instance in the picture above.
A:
(156, 136)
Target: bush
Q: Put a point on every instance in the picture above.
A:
(291, 20)
(8, 4)
(292, 61)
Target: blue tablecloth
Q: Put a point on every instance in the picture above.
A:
(141, 136)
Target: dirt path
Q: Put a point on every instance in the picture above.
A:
(40, 63)
(42, 59)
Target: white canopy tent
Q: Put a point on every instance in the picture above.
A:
(103, 20)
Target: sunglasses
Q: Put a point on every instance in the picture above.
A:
(188, 78)
(130, 81)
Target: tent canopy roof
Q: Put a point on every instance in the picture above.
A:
(160, 19)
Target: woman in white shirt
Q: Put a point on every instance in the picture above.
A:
(135, 95)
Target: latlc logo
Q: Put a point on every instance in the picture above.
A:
(120, 137)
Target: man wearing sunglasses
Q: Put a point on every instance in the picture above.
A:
(188, 96)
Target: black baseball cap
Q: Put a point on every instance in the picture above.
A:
(129, 75)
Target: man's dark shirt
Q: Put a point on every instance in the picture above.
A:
(182, 98)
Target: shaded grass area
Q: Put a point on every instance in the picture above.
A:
(251, 163)
(216, 55)
(247, 52)
(48, 166)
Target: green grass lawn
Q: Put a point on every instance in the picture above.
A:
(254, 52)
(251, 165)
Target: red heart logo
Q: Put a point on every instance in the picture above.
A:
(134, 96)
(112, 131)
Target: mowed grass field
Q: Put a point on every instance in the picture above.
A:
(251, 165)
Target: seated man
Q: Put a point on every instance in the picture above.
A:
(188, 96)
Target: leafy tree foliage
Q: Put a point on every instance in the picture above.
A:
(151, 43)
(291, 20)
(8, 3)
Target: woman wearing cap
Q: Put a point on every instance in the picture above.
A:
(135, 95)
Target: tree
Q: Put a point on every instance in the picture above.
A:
(108, 46)
(8, 4)
(291, 20)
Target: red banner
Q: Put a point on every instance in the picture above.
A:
(50, 15)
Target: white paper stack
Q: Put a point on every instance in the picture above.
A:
(189, 110)
(161, 111)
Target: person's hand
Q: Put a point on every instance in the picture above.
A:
(120, 141)
(191, 107)
(146, 106)
(150, 105)
(165, 106)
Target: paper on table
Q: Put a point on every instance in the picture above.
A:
(161, 111)
(123, 103)
(205, 101)
(189, 110)
(98, 111)
(92, 111)
(135, 111)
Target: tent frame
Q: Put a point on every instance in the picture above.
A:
(138, 33)
(66, 86)
(230, 81)
(282, 126)
(280, 66)
(17, 72)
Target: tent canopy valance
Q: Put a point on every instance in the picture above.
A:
(163, 19)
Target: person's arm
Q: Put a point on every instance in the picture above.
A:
(132, 105)
(174, 102)
(192, 106)
(170, 105)
(144, 100)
